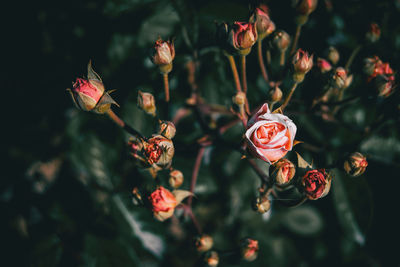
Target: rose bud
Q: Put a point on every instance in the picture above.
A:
(211, 258)
(323, 65)
(167, 129)
(374, 33)
(305, 7)
(159, 150)
(242, 37)
(281, 40)
(204, 243)
(239, 99)
(163, 54)
(261, 204)
(147, 103)
(333, 55)
(384, 86)
(249, 249)
(355, 164)
(270, 136)
(341, 79)
(302, 63)
(316, 183)
(264, 24)
(175, 178)
(89, 94)
(282, 171)
(275, 94)
(163, 203)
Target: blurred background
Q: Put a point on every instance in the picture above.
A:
(65, 194)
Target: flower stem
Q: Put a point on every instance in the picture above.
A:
(288, 97)
(282, 59)
(261, 61)
(268, 56)
(352, 56)
(235, 73)
(244, 79)
(263, 176)
(195, 173)
(296, 40)
(166, 87)
(123, 124)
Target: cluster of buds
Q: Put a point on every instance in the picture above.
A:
(382, 73)
(282, 172)
(163, 54)
(374, 33)
(341, 79)
(89, 94)
(355, 164)
(316, 183)
(302, 63)
(264, 25)
(204, 243)
(249, 249)
(304, 8)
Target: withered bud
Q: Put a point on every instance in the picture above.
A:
(204, 243)
(249, 249)
(163, 54)
(282, 171)
(316, 183)
(355, 164)
(239, 99)
(175, 178)
(323, 65)
(147, 103)
(281, 40)
(159, 150)
(167, 129)
(211, 258)
(374, 33)
(333, 55)
(275, 94)
(264, 25)
(261, 204)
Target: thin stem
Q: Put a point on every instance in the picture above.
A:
(195, 173)
(352, 56)
(189, 210)
(296, 40)
(166, 87)
(289, 96)
(268, 56)
(244, 79)
(123, 124)
(235, 73)
(261, 61)
(282, 58)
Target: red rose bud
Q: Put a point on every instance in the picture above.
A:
(333, 55)
(281, 40)
(261, 204)
(167, 129)
(242, 37)
(175, 178)
(275, 94)
(163, 203)
(384, 86)
(282, 171)
(374, 33)
(163, 55)
(302, 63)
(264, 24)
(249, 249)
(305, 7)
(204, 243)
(147, 103)
(323, 65)
(211, 258)
(316, 183)
(355, 164)
(159, 150)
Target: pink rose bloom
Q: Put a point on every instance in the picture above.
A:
(270, 136)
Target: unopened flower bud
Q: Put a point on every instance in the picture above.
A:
(374, 33)
(163, 54)
(261, 204)
(204, 243)
(175, 178)
(159, 150)
(323, 65)
(302, 63)
(355, 164)
(239, 99)
(211, 258)
(135, 145)
(163, 203)
(316, 183)
(275, 94)
(167, 129)
(384, 86)
(249, 249)
(305, 7)
(341, 79)
(264, 24)
(281, 40)
(371, 65)
(282, 171)
(242, 37)
(333, 55)
(147, 103)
